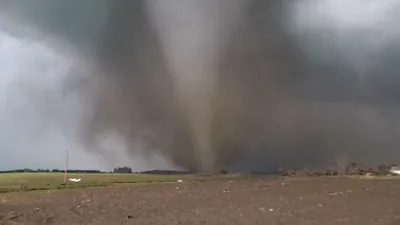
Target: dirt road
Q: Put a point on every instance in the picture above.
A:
(319, 201)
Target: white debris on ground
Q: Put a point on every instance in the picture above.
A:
(75, 179)
(336, 193)
(395, 170)
(180, 181)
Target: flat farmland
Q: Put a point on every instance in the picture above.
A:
(48, 181)
(229, 200)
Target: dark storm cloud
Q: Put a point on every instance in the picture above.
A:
(246, 84)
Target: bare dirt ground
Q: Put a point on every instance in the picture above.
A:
(319, 201)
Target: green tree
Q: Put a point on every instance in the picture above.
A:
(124, 169)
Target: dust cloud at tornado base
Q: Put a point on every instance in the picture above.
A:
(236, 84)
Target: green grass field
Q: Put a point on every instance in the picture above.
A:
(47, 181)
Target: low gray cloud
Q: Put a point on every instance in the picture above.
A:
(38, 119)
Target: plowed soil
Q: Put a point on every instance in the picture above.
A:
(260, 200)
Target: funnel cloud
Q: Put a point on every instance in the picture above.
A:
(211, 84)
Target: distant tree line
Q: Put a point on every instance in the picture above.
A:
(349, 169)
(162, 172)
(123, 169)
(166, 172)
(49, 171)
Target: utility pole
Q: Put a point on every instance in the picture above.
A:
(66, 166)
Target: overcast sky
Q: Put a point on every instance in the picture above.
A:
(29, 138)
(28, 67)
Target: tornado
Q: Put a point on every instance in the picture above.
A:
(192, 36)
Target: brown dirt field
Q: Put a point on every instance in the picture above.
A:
(283, 201)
